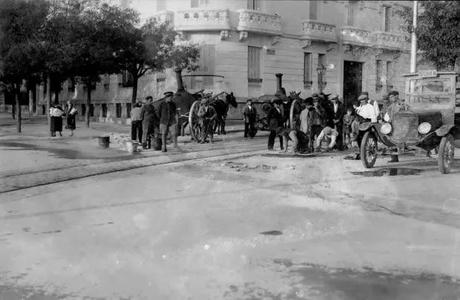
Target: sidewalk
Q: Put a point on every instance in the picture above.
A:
(34, 158)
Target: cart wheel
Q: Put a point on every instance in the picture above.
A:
(368, 150)
(292, 119)
(194, 121)
(446, 154)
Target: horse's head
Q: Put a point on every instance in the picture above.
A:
(293, 95)
(230, 99)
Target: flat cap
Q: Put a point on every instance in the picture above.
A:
(167, 94)
(393, 93)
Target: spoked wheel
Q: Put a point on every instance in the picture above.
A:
(446, 154)
(293, 117)
(368, 150)
(194, 122)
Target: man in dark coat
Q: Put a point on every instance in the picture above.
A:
(337, 118)
(250, 115)
(275, 120)
(168, 120)
(208, 116)
(149, 119)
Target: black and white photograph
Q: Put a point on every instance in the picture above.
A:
(229, 149)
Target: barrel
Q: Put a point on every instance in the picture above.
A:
(104, 141)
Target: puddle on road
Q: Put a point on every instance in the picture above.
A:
(289, 155)
(58, 152)
(388, 172)
(369, 284)
(272, 232)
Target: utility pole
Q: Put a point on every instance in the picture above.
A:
(413, 48)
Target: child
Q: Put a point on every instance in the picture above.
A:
(347, 121)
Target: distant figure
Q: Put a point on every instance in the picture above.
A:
(168, 120)
(250, 115)
(148, 122)
(71, 113)
(337, 118)
(136, 123)
(275, 120)
(56, 113)
(348, 119)
(317, 117)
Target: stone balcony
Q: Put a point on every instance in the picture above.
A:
(164, 16)
(389, 40)
(355, 36)
(317, 31)
(202, 19)
(256, 21)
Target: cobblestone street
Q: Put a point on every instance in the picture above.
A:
(228, 220)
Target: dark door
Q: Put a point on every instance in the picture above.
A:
(352, 81)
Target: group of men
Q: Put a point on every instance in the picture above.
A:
(148, 124)
(324, 124)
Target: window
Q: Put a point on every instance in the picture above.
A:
(254, 4)
(128, 109)
(126, 79)
(321, 69)
(386, 18)
(313, 7)
(91, 110)
(198, 3)
(104, 110)
(106, 80)
(307, 80)
(389, 72)
(351, 13)
(254, 64)
(379, 76)
(83, 109)
(118, 110)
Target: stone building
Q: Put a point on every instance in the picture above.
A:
(343, 47)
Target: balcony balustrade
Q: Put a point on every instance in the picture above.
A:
(389, 40)
(256, 21)
(202, 19)
(317, 31)
(164, 16)
(355, 36)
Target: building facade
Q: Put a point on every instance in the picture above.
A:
(342, 47)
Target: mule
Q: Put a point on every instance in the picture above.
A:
(222, 106)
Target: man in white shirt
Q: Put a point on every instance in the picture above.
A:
(366, 110)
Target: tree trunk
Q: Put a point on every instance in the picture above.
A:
(48, 101)
(134, 95)
(18, 105)
(180, 83)
(88, 101)
(34, 98)
(56, 96)
(13, 110)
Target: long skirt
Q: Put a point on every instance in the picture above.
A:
(56, 124)
(71, 122)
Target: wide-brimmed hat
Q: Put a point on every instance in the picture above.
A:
(393, 93)
(168, 94)
(362, 98)
(333, 96)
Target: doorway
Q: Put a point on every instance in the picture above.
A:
(352, 81)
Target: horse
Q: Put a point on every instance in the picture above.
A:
(221, 106)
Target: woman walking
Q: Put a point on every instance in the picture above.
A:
(71, 113)
(56, 113)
